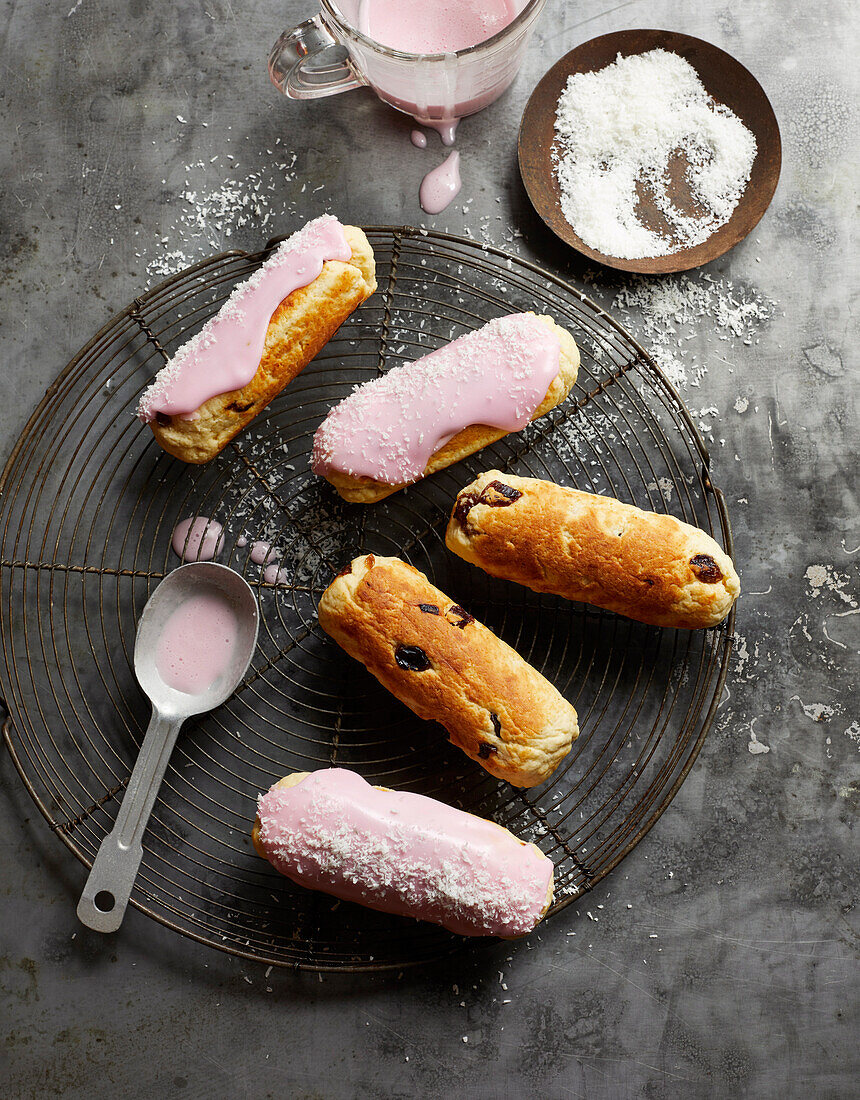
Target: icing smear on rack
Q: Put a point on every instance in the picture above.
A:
(404, 853)
(225, 354)
(387, 429)
(197, 539)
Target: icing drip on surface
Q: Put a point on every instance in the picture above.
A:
(262, 553)
(404, 853)
(446, 128)
(388, 429)
(225, 354)
(441, 185)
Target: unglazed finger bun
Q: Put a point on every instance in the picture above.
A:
(426, 415)
(268, 330)
(402, 853)
(445, 666)
(645, 565)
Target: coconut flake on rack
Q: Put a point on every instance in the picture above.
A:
(618, 128)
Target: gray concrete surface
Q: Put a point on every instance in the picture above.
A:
(721, 959)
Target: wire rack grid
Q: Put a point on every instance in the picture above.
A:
(88, 504)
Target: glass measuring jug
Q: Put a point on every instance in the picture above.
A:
(328, 54)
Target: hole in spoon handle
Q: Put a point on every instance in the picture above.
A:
(105, 896)
(107, 890)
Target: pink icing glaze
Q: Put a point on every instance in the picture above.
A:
(387, 429)
(225, 354)
(197, 643)
(441, 185)
(442, 26)
(197, 539)
(404, 853)
(418, 139)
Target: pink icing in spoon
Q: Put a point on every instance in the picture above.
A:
(197, 643)
(387, 429)
(225, 354)
(404, 853)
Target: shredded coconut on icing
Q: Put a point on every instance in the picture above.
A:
(233, 308)
(389, 427)
(323, 837)
(619, 128)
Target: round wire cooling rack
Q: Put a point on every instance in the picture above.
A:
(88, 503)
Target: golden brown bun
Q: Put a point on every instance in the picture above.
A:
(498, 709)
(366, 490)
(645, 565)
(300, 327)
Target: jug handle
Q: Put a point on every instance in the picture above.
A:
(287, 60)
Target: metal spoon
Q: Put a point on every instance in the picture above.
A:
(105, 896)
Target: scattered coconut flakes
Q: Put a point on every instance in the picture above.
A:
(618, 129)
(666, 313)
(205, 216)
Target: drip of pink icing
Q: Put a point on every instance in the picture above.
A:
(197, 642)
(197, 539)
(441, 185)
(404, 853)
(418, 139)
(387, 429)
(225, 354)
(446, 128)
(273, 574)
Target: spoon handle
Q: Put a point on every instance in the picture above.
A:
(105, 896)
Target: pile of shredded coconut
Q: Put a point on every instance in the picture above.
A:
(618, 129)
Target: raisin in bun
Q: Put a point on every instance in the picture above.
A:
(446, 666)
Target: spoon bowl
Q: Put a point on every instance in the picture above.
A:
(202, 579)
(196, 585)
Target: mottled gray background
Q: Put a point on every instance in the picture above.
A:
(721, 957)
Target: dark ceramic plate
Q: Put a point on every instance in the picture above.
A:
(724, 78)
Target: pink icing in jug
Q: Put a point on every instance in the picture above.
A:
(332, 53)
